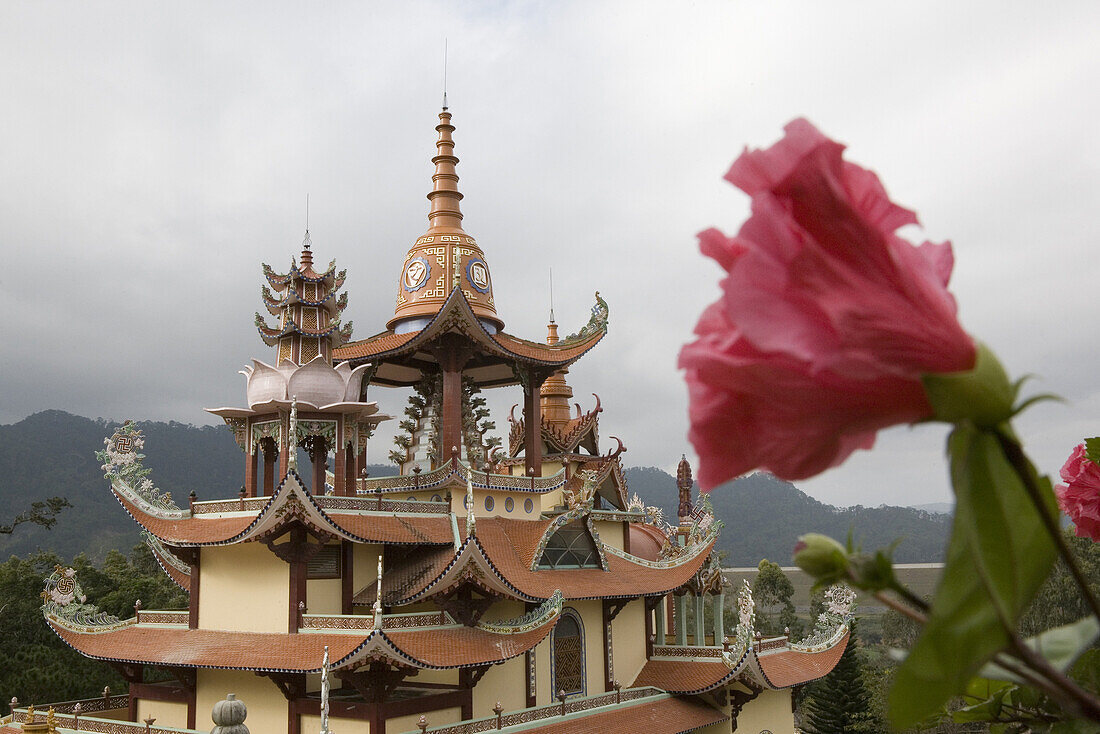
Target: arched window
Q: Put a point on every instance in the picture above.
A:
(567, 654)
(571, 546)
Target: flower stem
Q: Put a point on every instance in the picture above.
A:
(1015, 455)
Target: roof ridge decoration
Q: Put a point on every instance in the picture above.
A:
(166, 558)
(537, 617)
(596, 322)
(833, 622)
(122, 466)
(64, 603)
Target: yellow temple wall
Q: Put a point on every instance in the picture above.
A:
(311, 724)
(550, 500)
(402, 724)
(592, 617)
(267, 708)
(505, 609)
(610, 532)
(543, 691)
(458, 506)
(770, 710)
(364, 565)
(628, 642)
(243, 587)
(324, 596)
(169, 713)
(506, 683)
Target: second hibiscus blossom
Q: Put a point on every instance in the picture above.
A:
(827, 322)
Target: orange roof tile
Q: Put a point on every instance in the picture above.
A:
(387, 341)
(211, 648)
(369, 527)
(683, 676)
(427, 647)
(788, 668)
(664, 716)
(171, 567)
(453, 647)
(510, 547)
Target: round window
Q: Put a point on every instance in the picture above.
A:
(528, 505)
(489, 503)
(509, 503)
(436, 498)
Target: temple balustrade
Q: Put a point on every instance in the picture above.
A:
(566, 707)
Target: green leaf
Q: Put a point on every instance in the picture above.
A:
(1092, 449)
(1086, 670)
(997, 558)
(1060, 646)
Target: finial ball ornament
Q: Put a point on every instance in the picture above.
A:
(229, 716)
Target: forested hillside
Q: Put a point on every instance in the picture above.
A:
(764, 517)
(53, 453)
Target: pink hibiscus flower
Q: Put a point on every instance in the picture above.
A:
(1079, 497)
(827, 321)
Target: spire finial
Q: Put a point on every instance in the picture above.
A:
(378, 596)
(445, 216)
(307, 256)
(444, 74)
(552, 294)
(470, 522)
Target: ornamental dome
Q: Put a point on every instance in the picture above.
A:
(444, 257)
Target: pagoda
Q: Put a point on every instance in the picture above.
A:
(485, 587)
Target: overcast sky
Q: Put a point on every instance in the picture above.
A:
(153, 154)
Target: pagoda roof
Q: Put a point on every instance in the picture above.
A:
(240, 522)
(403, 359)
(790, 666)
(451, 646)
(176, 568)
(685, 676)
(580, 431)
(502, 557)
(669, 715)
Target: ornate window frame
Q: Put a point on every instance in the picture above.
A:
(555, 686)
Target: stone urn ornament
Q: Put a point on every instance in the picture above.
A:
(229, 715)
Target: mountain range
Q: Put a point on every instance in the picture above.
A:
(53, 453)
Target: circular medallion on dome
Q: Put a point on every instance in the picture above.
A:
(477, 272)
(416, 274)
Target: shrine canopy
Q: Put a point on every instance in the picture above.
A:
(445, 318)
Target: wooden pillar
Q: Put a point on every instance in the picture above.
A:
(193, 603)
(271, 453)
(680, 602)
(452, 360)
(532, 427)
(626, 536)
(192, 703)
(318, 456)
(719, 607)
(700, 635)
(294, 718)
(347, 575)
(651, 610)
(251, 465)
(351, 470)
(377, 720)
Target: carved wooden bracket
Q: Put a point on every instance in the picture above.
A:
(614, 606)
(461, 604)
(292, 685)
(377, 680)
(469, 677)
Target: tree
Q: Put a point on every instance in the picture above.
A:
(42, 513)
(840, 703)
(772, 591)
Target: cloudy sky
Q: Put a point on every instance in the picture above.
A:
(154, 154)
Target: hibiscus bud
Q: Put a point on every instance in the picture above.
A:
(821, 557)
(982, 395)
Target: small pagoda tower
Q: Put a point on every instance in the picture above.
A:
(308, 309)
(332, 415)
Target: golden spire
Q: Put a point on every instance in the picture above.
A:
(445, 257)
(445, 214)
(555, 392)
